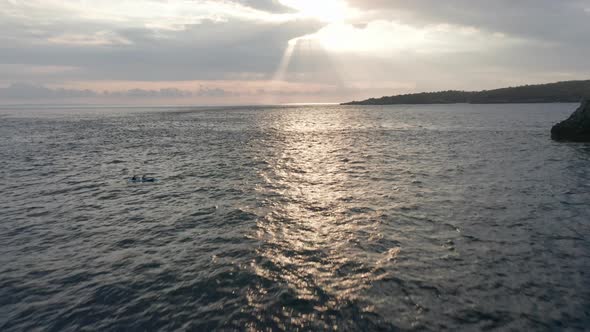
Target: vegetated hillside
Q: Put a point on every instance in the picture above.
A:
(560, 92)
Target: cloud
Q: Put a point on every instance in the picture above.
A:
(16, 92)
(382, 37)
(40, 92)
(544, 20)
(363, 48)
(274, 6)
(210, 50)
(100, 38)
(23, 91)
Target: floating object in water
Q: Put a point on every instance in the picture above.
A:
(140, 180)
(143, 179)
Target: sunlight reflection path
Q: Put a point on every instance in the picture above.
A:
(312, 232)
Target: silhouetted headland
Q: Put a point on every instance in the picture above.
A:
(576, 128)
(560, 92)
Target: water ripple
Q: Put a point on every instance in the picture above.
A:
(425, 218)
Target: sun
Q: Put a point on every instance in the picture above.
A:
(324, 10)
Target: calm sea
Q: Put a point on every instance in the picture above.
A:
(455, 217)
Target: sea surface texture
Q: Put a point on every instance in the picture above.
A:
(301, 218)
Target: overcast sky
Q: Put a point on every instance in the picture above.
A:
(282, 51)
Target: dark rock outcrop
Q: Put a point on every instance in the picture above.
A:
(576, 128)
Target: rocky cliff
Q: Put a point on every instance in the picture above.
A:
(576, 128)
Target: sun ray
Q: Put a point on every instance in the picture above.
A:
(279, 75)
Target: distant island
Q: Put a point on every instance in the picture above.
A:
(560, 92)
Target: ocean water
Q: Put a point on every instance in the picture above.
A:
(309, 218)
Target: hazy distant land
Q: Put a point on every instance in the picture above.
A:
(560, 92)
